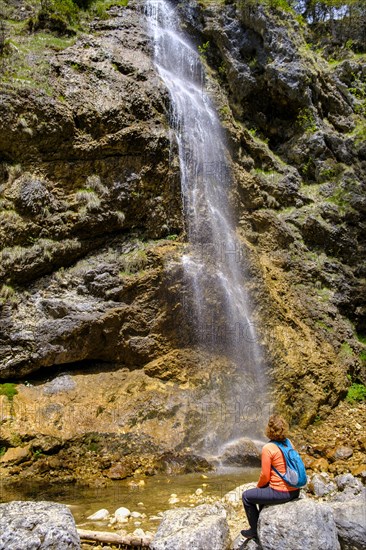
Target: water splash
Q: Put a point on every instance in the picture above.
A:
(215, 262)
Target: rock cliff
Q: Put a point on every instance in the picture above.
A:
(92, 233)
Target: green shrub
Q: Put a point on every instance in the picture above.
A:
(356, 392)
(56, 16)
(8, 389)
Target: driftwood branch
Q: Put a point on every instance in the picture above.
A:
(114, 538)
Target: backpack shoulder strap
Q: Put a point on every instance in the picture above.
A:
(278, 473)
(280, 445)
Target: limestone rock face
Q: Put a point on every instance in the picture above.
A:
(304, 214)
(193, 528)
(42, 525)
(81, 176)
(92, 288)
(298, 524)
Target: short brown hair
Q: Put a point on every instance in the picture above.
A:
(277, 428)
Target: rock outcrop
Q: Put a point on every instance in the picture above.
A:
(92, 290)
(299, 524)
(193, 528)
(349, 517)
(41, 525)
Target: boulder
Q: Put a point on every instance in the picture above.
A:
(37, 525)
(298, 524)
(350, 488)
(242, 452)
(350, 519)
(321, 485)
(193, 528)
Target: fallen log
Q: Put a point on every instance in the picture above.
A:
(114, 538)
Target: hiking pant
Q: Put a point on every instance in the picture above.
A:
(263, 496)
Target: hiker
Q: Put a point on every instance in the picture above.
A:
(271, 488)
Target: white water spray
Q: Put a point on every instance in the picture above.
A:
(215, 262)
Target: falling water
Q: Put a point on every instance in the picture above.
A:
(214, 263)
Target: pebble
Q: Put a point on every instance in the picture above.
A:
(199, 492)
(122, 513)
(99, 515)
(136, 515)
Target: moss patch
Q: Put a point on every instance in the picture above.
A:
(8, 389)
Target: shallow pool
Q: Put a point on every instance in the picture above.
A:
(147, 495)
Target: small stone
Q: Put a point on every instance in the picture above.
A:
(99, 515)
(118, 471)
(320, 485)
(199, 492)
(342, 453)
(121, 514)
(347, 481)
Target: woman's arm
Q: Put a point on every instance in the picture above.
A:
(266, 468)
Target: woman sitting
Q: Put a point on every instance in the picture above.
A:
(271, 488)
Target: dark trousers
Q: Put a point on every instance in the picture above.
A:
(263, 496)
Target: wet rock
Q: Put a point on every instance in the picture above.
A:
(192, 528)
(119, 471)
(122, 513)
(43, 525)
(298, 524)
(242, 452)
(99, 515)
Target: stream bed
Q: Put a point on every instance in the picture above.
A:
(148, 496)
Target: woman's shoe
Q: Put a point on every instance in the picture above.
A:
(249, 534)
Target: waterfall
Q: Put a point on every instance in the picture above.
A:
(214, 264)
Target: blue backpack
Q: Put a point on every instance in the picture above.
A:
(295, 475)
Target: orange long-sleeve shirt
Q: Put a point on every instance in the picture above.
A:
(272, 455)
